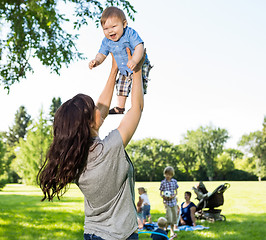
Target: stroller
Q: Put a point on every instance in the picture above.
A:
(210, 201)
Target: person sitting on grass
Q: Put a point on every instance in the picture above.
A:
(161, 230)
(188, 210)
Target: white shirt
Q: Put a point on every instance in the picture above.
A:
(145, 199)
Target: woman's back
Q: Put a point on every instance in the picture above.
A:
(109, 208)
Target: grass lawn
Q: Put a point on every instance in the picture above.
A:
(23, 216)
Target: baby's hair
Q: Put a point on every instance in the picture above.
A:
(112, 12)
(162, 222)
(169, 170)
(142, 189)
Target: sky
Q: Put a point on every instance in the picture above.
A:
(209, 60)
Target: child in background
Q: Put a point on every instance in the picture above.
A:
(118, 37)
(139, 214)
(144, 202)
(161, 230)
(169, 185)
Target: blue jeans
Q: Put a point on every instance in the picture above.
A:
(146, 211)
(133, 236)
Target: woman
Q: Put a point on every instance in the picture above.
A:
(188, 210)
(101, 168)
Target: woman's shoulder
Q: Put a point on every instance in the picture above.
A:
(112, 144)
(113, 139)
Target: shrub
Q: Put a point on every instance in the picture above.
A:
(240, 175)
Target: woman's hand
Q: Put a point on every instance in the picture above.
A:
(114, 64)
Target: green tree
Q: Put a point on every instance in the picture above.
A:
(150, 156)
(11, 138)
(187, 159)
(224, 165)
(208, 143)
(32, 151)
(261, 153)
(249, 142)
(19, 128)
(254, 145)
(34, 28)
(234, 153)
(247, 164)
(56, 103)
(2, 163)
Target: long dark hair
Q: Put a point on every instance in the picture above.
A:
(69, 150)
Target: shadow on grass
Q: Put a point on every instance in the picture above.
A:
(238, 226)
(25, 217)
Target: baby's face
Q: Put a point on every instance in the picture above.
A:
(113, 28)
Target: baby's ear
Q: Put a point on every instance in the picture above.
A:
(125, 23)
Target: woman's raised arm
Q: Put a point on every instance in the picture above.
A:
(105, 98)
(131, 119)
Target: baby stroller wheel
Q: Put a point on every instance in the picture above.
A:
(210, 219)
(222, 218)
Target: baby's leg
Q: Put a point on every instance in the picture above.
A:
(121, 101)
(123, 87)
(146, 67)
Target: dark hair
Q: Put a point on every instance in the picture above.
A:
(112, 12)
(69, 150)
(188, 193)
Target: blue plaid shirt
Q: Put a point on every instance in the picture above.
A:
(130, 39)
(169, 186)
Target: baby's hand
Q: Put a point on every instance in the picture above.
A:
(174, 236)
(131, 64)
(92, 64)
(166, 198)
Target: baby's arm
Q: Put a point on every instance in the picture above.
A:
(139, 204)
(172, 237)
(138, 53)
(97, 61)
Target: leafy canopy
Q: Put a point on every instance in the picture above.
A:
(34, 28)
